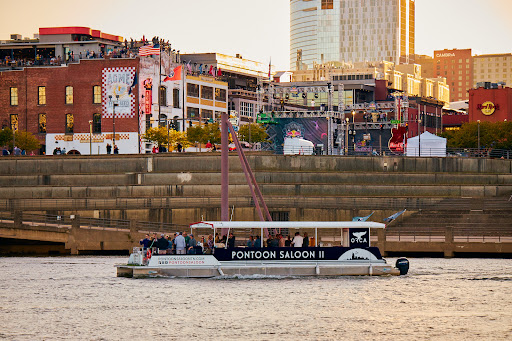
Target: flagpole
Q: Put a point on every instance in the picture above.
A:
(183, 95)
(159, 81)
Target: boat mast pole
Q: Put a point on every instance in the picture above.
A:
(224, 209)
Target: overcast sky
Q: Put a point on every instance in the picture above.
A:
(258, 30)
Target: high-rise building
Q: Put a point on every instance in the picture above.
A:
(494, 68)
(457, 67)
(351, 31)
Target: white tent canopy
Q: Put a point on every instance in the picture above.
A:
(431, 145)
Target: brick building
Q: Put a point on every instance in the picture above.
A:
(490, 104)
(60, 105)
(457, 67)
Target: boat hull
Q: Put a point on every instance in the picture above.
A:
(262, 262)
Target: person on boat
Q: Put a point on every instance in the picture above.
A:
(281, 240)
(187, 238)
(191, 245)
(180, 244)
(217, 238)
(250, 242)
(274, 242)
(162, 244)
(305, 240)
(269, 240)
(231, 240)
(297, 240)
(223, 239)
(209, 245)
(145, 242)
(288, 242)
(257, 242)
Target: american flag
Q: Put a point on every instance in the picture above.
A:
(148, 50)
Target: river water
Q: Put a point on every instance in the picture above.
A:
(80, 298)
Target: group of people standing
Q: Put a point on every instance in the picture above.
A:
(279, 241)
(109, 149)
(182, 243)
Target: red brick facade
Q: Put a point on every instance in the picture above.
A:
(82, 76)
(457, 67)
(490, 105)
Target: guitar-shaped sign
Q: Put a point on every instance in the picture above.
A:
(397, 141)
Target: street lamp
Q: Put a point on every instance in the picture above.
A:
(478, 121)
(419, 137)
(90, 137)
(347, 120)
(114, 105)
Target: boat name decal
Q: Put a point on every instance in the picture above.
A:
(273, 254)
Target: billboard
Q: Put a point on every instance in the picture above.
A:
(117, 84)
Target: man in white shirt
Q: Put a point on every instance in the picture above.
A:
(180, 244)
(297, 240)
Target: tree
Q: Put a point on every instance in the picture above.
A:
(156, 135)
(492, 135)
(26, 141)
(258, 133)
(163, 137)
(203, 134)
(5, 137)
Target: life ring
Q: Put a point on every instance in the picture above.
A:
(148, 254)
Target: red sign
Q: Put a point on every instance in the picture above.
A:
(148, 96)
(396, 142)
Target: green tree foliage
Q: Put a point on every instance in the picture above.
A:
(204, 133)
(5, 137)
(492, 135)
(156, 135)
(26, 141)
(258, 133)
(163, 137)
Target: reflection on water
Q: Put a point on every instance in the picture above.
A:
(80, 298)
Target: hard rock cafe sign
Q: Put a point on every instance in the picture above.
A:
(488, 108)
(397, 141)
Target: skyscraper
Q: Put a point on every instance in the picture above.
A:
(351, 31)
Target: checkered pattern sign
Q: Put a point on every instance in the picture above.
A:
(118, 81)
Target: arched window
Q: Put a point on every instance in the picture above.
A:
(96, 123)
(70, 124)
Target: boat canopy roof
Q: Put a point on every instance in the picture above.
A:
(288, 224)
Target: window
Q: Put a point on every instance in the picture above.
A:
(192, 113)
(176, 98)
(220, 95)
(193, 90)
(206, 114)
(14, 96)
(162, 122)
(96, 94)
(148, 122)
(14, 122)
(246, 109)
(96, 123)
(70, 124)
(69, 95)
(163, 96)
(327, 4)
(206, 92)
(42, 124)
(41, 99)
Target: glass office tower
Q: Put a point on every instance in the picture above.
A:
(350, 31)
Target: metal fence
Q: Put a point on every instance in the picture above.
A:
(359, 203)
(386, 151)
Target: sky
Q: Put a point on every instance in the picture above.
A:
(258, 30)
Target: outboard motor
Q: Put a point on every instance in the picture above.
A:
(402, 264)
